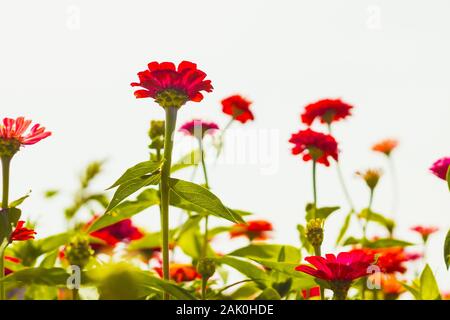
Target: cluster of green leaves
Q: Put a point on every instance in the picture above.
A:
(426, 287)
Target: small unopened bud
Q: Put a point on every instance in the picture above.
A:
(314, 232)
(78, 251)
(206, 267)
(157, 129)
(371, 177)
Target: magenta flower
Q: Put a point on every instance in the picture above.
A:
(198, 128)
(440, 167)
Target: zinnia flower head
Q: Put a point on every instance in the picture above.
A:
(237, 107)
(371, 177)
(180, 272)
(13, 135)
(314, 146)
(440, 167)
(391, 287)
(425, 232)
(327, 110)
(386, 146)
(21, 233)
(170, 86)
(253, 230)
(390, 260)
(198, 128)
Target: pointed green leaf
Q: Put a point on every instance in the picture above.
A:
(268, 252)
(41, 276)
(378, 218)
(269, 294)
(319, 213)
(344, 228)
(19, 201)
(141, 169)
(429, 289)
(247, 268)
(447, 249)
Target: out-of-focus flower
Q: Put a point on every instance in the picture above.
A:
(170, 86)
(314, 146)
(157, 129)
(371, 177)
(21, 233)
(390, 260)
(425, 232)
(118, 232)
(391, 287)
(237, 107)
(445, 295)
(198, 128)
(13, 135)
(180, 272)
(339, 271)
(385, 146)
(13, 260)
(314, 232)
(254, 230)
(440, 167)
(310, 293)
(78, 252)
(327, 110)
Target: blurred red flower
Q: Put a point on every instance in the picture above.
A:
(311, 293)
(237, 107)
(425, 232)
(198, 128)
(121, 231)
(391, 286)
(21, 233)
(13, 260)
(440, 167)
(328, 110)
(390, 260)
(314, 145)
(164, 83)
(15, 129)
(180, 272)
(385, 146)
(254, 230)
(345, 267)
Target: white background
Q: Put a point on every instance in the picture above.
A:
(68, 65)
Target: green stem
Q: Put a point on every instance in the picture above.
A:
(394, 191)
(222, 134)
(6, 162)
(171, 119)
(204, 285)
(202, 152)
(369, 212)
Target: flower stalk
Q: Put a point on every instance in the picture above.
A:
(6, 163)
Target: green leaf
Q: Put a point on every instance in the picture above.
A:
(19, 201)
(127, 209)
(49, 259)
(190, 196)
(379, 243)
(319, 213)
(269, 294)
(8, 218)
(173, 289)
(447, 249)
(128, 188)
(269, 252)
(40, 276)
(248, 269)
(413, 290)
(287, 268)
(378, 218)
(193, 158)
(344, 228)
(191, 242)
(304, 240)
(429, 289)
(138, 171)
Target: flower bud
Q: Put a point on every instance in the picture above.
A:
(78, 251)
(206, 267)
(157, 129)
(314, 232)
(371, 177)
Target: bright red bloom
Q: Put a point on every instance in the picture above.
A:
(180, 272)
(440, 168)
(16, 129)
(13, 260)
(346, 267)
(390, 285)
(254, 230)
(328, 110)
(425, 231)
(184, 82)
(391, 260)
(198, 128)
(311, 293)
(237, 107)
(314, 145)
(385, 146)
(21, 233)
(121, 231)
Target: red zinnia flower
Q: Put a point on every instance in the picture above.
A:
(254, 230)
(385, 146)
(391, 260)
(425, 231)
(314, 145)
(311, 293)
(180, 272)
(171, 86)
(21, 233)
(121, 231)
(237, 107)
(328, 110)
(198, 128)
(440, 167)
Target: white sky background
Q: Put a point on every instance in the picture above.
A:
(390, 59)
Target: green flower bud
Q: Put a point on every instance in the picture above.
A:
(206, 267)
(157, 129)
(78, 251)
(314, 232)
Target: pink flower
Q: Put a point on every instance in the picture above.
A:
(425, 232)
(15, 132)
(440, 167)
(198, 128)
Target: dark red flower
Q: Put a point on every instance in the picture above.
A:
(121, 231)
(386, 146)
(311, 293)
(180, 272)
(254, 230)
(171, 86)
(425, 232)
(314, 145)
(21, 233)
(440, 168)
(346, 267)
(390, 260)
(237, 107)
(198, 128)
(328, 110)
